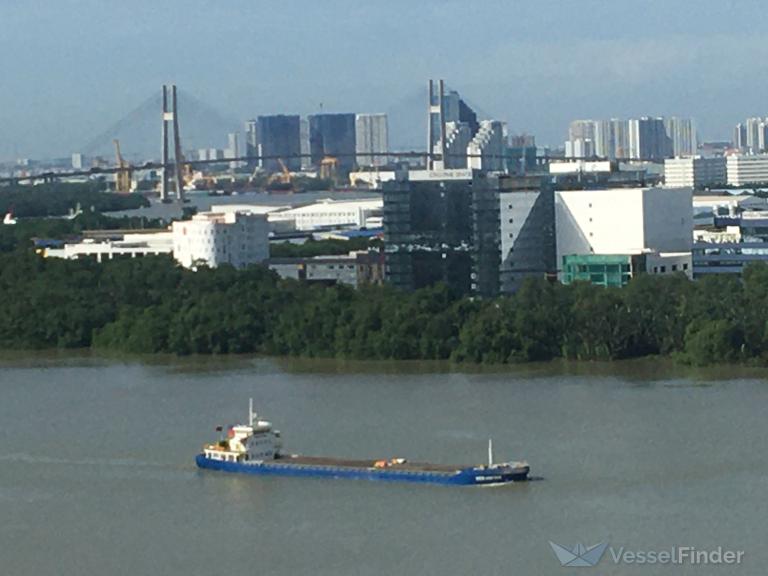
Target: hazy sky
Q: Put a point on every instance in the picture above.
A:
(71, 68)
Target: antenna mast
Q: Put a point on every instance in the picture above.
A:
(490, 452)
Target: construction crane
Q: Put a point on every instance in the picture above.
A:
(283, 179)
(287, 176)
(328, 168)
(124, 175)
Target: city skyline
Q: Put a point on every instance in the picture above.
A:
(681, 63)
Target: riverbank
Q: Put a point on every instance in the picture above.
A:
(641, 370)
(150, 305)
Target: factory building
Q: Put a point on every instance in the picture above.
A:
(329, 214)
(695, 172)
(115, 244)
(655, 222)
(747, 170)
(212, 239)
(527, 231)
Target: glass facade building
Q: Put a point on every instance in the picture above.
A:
(279, 138)
(333, 135)
(615, 270)
(443, 231)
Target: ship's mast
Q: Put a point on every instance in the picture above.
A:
(250, 412)
(490, 452)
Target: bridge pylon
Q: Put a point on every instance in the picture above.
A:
(170, 120)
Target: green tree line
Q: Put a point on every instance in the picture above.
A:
(20, 236)
(58, 198)
(150, 305)
(312, 248)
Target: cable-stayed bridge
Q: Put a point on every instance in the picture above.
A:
(139, 130)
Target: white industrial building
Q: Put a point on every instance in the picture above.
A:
(487, 148)
(582, 167)
(746, 170)
(371, 139)
(214, 238)
(329, 214)
(695, 172)
(209, 239)
(625, 221)
(129, 245)
(727, 204)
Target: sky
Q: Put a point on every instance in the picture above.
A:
(72, 68)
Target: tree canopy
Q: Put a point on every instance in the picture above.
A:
(150, 305)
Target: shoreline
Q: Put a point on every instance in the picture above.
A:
(644, 369)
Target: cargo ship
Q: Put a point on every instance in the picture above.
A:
(256, 448)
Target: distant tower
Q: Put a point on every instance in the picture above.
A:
(170, 116)
(436, 124)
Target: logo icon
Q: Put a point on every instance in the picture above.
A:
(579, 555)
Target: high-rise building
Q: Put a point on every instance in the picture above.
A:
(605, 140)
(580, 149)
(279, 141)
(458, 135)
(487, 149)
(581, 130)
(682, 133)
(648, 139)
(444, 108)
(521, 154)
(456, 110)
(637, 139)
(371, 139)
(620, 130)
(755, 135)
(233, 148)
(252, 140)
(306, 160)
(333, 136)
(78, 161)
(527, 230)
(442, 231)
(740, 137)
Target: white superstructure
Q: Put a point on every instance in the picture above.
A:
(252, 442)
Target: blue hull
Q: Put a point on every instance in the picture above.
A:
(464, 476)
